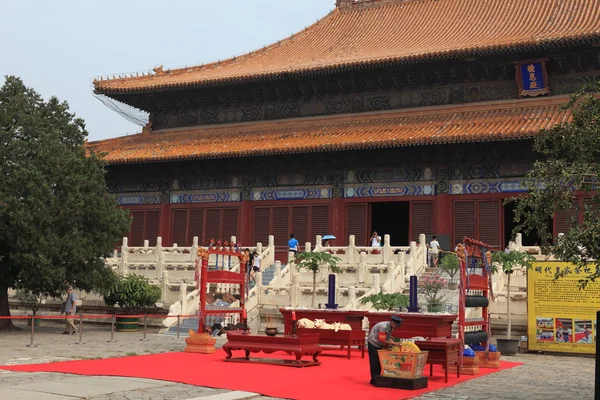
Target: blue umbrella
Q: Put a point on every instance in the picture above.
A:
(328, 237)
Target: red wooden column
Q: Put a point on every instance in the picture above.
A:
(337, 221)
(443, 215)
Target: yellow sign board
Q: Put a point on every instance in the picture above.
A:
(560, 316)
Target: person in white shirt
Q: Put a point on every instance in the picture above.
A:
(255, 266)
(375, 240)
(434, 251)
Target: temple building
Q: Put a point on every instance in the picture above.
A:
(400, 116)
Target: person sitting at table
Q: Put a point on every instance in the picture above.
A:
(380, 337)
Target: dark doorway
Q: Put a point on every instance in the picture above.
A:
(391, 218)
(531, 239)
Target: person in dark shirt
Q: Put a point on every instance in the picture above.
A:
(382, 330)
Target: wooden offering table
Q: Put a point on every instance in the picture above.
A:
(300, 345)
(353, 338)
(442, 351)
(354, 318)
(414, 324)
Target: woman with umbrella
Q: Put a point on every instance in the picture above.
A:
(326, 240)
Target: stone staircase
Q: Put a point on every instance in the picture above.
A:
(192, 323)
(184, 327)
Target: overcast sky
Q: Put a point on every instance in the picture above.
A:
(58, 47)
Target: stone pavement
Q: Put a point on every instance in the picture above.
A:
(541, 377)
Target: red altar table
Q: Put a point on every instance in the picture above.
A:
(353, 318)
(414, 324)
(352, 338)
(299, 345)
(442, 351)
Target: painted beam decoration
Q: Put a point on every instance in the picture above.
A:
(532, 79)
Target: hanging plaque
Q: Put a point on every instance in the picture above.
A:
(532, 79)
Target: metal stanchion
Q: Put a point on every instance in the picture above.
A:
(178, 318)
(81, 329)
(145, 325)
(112, 329)
(31, 344)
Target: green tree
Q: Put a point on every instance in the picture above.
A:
(57, 219)
(386, 301)
(570, 164)
(313, 261)
(509, 261)
(131, 293)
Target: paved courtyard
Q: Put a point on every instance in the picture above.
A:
(541, 376)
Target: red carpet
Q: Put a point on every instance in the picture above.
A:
(336, 377)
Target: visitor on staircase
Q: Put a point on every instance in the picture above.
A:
(255, 266)
(293, 244)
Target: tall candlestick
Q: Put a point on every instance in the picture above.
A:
(293, 315)
(331, 293)
(414, 306)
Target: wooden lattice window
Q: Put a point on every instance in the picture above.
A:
(356, 223)
(145, 226)
(489, 222)
(262, 225)
(319, 223)
(300, 224)
(464, 220)
(421, 215)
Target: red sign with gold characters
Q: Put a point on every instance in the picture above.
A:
(532, 78)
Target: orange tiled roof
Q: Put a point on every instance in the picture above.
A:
(395, 31)
(493, 121)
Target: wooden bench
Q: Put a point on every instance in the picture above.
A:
(299, 345)
(442, 351)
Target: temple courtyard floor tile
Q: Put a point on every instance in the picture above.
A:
(540, 376)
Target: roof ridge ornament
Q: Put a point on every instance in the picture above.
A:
(355, 4)
(159, 70)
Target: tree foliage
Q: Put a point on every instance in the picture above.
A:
(387, 301)
(131, 293)
(450, 264)
(509, 261)
(313, 261)
(57, 218)
(569, 165)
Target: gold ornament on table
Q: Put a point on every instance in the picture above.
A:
(406, 347)
(460, 251)
(488, 257)
(202, 253)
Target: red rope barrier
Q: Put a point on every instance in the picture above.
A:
(100, 316)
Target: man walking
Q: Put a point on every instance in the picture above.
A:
(434, 251)
(70, 308)
(379, 337)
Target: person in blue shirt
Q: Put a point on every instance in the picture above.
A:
(293, 244)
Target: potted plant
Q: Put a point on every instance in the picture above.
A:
(450, 265)
(430, 286)
(313, 261)
(32, 301)
(386, 301)
(508, 262)
(131, 293)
